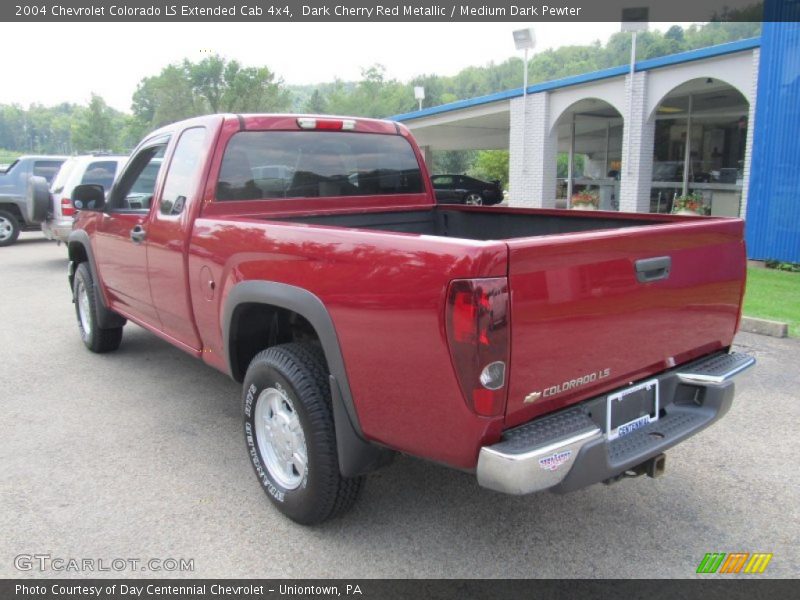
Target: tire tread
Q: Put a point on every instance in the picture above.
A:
(305, 366)
(101, 340)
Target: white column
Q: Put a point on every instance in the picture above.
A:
(427, 156)
(751, 125)
(637, 164)
(532, 160)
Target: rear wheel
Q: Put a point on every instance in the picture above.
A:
(95, 338)
(473, 199)
(290, 437)
(9, 228)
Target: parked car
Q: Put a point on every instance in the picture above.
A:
(14, 213)
(363, 319)
(98, 169)
(461, 189)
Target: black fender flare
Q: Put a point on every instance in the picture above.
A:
(107, 318)
(356, 455)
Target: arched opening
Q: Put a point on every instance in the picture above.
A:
(699, 149)
(589, 155)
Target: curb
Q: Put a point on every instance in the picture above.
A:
(776, 329)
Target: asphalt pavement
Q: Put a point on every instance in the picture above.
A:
(139, 455)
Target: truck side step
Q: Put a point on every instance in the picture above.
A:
(716, 369)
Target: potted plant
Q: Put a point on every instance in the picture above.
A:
(585, 200)
(690, 204)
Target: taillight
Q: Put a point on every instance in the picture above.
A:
(477, 322)
(330, 124)
(67, 210)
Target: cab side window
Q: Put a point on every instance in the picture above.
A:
(138, 184)
(183, 171)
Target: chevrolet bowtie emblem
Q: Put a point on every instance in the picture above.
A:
(532, 397)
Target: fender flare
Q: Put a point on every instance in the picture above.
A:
(106, 318)
(356, 455)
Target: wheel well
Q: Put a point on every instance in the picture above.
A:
(14, 210)
(255, 327)
(77, 253)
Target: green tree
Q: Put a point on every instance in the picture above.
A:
(316, 104)
(213, 85)
(373, 96)
(452, 161)
(490, 165)
(94, 128)
(162, 99)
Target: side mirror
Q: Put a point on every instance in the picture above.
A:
(89, 196)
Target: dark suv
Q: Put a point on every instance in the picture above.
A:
(13, 191)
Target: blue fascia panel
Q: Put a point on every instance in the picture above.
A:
(644, 65)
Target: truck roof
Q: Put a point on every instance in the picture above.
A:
(257, 122)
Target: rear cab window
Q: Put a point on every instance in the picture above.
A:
(316, 164)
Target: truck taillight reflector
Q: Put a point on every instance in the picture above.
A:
(329, 124)
(477, 323)
(67, 210)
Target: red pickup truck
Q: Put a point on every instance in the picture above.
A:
(306, 257)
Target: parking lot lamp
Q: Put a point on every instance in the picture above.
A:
(525, 40)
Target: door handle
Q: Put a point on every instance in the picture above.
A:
(652, 269)
(138, 234)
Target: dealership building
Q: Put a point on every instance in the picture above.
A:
(721, 123)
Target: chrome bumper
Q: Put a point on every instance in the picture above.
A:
(569, 449)
(57, 229)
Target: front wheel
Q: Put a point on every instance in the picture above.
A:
(473, 199)
(9, 228)
(290, 437)
(95, 338)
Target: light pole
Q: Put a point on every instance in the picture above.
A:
(419, 94)
(524, 39)
(634, 20)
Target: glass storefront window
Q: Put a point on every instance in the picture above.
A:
(710, 163)
(590, 132)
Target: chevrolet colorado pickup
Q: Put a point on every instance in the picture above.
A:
(306, 257)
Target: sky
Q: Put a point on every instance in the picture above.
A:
(109, 59)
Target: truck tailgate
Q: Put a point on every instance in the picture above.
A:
(584, 321)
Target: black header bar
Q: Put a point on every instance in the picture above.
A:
(710, 588)
(410, 11)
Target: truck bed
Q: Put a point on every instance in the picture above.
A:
(481, 224)
(581, 312)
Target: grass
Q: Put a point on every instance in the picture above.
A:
(775, 295)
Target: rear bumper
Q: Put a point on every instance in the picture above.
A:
(57, 229)
(568, 450)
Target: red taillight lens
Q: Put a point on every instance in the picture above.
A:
(477, 323)
(334, 124)
(67, 210)
(330, 124)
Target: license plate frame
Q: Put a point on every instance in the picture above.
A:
(639, 397)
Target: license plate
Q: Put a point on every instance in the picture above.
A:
(632, 409)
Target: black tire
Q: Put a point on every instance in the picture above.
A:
(38, 200)
(298, 375)
(9, 228)
(95, 338)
